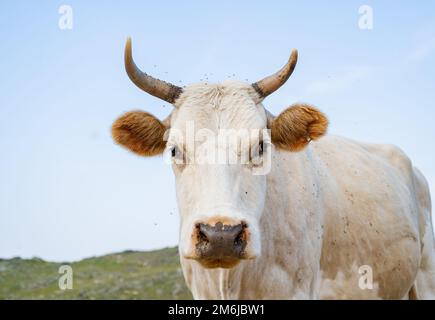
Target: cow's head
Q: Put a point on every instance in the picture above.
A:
(219, 139)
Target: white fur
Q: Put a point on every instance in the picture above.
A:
(317, 216)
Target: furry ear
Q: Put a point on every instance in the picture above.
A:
(295, 127)
(140, 132)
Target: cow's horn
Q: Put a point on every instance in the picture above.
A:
(153, 86)
(271, 83)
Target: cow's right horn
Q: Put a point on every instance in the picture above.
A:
(158, 88)
(271, 83)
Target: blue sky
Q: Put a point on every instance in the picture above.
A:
(67, 192)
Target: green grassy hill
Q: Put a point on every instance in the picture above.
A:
(127, 275)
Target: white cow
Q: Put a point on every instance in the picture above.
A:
(331, 219)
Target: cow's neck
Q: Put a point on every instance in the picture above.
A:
(292, 225)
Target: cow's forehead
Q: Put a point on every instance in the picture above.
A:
(227, 105)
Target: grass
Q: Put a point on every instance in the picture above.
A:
(126, 275)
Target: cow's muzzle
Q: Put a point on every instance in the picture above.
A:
(220, 245)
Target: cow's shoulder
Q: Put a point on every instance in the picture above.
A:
(392, 154)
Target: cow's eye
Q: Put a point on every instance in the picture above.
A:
(177, 155)
(260, 148)
(174, 151)
(256, 157)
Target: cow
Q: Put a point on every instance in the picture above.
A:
(326, 218)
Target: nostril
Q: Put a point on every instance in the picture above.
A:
(239, 238)
(202, 237)
(200, 233)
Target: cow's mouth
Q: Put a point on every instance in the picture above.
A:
(224, 262)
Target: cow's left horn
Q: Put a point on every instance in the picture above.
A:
(271, 83)
(158, 88)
